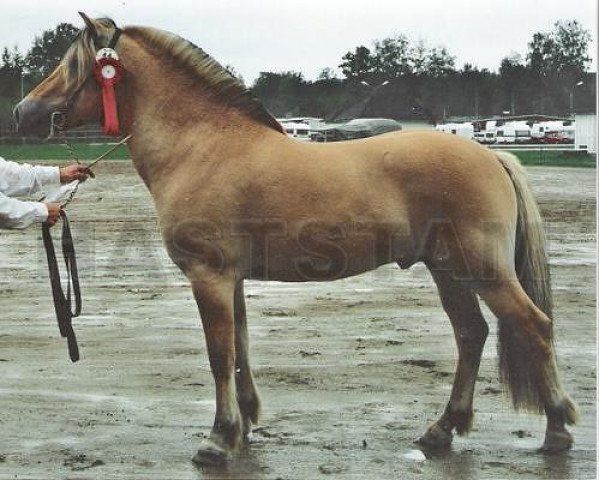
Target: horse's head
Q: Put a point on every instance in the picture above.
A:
(69, 96)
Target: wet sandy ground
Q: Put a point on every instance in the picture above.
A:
(350, 372)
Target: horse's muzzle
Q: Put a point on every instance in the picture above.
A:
(33, 117)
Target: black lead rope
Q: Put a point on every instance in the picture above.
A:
(62, 302)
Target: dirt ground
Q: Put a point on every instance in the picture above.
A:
(350, 372)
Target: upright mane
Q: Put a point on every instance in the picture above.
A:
(225, 86)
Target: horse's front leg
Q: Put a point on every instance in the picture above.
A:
(247, 393)
(215, 299)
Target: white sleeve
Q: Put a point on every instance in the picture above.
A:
(17, 214)
(23, 179)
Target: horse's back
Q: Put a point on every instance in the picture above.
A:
(432, 170)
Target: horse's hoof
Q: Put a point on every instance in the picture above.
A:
(556, 442)
(210, 454)
(435, 437)
(247, 429)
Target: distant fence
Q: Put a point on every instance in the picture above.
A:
(532, 147)
(76, 135)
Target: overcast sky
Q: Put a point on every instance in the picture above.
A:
(309, 35)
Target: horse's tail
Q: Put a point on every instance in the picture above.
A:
(531, 255)
(532, 270)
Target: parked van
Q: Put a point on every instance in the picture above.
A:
(485, 137)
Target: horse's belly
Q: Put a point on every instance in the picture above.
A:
(323, 253)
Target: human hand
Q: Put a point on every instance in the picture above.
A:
(54, 210)
(74, 172)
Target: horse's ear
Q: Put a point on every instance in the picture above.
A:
(90, 24)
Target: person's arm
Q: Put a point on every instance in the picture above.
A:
(16, 214)
(23, 179)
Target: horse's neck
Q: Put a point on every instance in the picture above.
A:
(176, 124)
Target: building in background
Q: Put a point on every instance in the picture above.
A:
(586, 133)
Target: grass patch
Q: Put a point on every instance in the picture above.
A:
(57, 152)
(554, 158)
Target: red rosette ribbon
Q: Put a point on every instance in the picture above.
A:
(108, 72)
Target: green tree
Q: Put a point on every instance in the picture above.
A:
(557, 61)
(282, 93)
(357, 65)
(418, 57)
(5, 59)
(391, 57)
(327, 74)
(435, 62)
(11, 61)
(565, 49)
(439, 62)
(11, 67)
(511, 73)
(48, 49)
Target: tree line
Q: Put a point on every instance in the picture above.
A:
(400, 79)
(394, 78)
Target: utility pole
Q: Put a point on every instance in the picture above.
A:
(513, 103)
(572, 97)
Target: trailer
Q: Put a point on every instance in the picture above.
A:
(553, 131)
(301, 131)
(513, 132)
(465, 130)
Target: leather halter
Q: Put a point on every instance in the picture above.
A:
(111, 44)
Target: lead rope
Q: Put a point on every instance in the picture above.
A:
(63, 303)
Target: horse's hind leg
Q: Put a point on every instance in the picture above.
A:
(471, 330)
(247, 394)
(527, 360)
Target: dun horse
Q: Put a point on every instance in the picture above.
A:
(237, 199)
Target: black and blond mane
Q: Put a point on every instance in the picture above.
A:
(216, 79)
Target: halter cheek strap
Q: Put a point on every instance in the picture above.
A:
(115, 38)
(113, 41)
